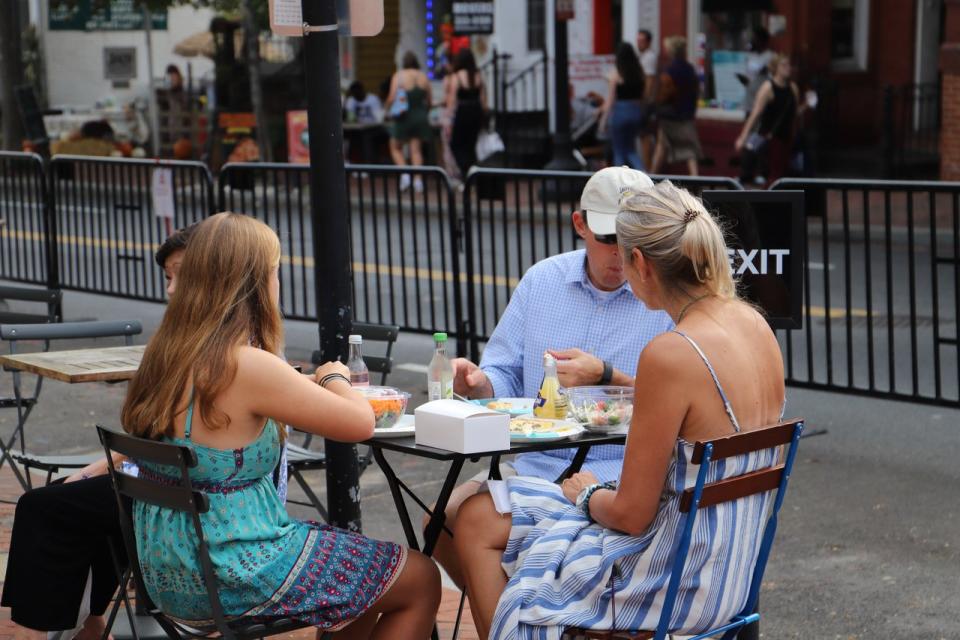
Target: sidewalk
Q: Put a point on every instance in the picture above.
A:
(10, 491)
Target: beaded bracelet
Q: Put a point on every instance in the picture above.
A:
(332, 376)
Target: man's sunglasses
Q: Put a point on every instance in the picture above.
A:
(607, 239)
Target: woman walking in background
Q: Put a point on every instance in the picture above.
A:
(466, 108)
(408, 106)
(623, 109)
(776, 108)
(677, 139)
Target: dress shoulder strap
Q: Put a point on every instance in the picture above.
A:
(188, 423)
(716, 381)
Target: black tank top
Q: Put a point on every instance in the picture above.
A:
(631, 91)
(777, 117)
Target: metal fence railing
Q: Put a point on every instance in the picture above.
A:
(881, 290)
(24, 240)
(404, 240)
(881, 280)
(513, 219)
(107, 227)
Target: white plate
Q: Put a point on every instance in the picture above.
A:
(518, 406)
(564, 429)
(403, 428)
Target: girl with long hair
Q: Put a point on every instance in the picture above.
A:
(623, 108)
(549, 563)
(212, 379)
(466, 109)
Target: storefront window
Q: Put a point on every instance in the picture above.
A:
(731, 54)
(849, 20)
(536, 25)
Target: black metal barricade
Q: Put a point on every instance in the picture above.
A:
(107, 227)
(405, 240)
(514, 218)
(25, 251)
(881, 290)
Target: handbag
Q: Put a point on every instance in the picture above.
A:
(400, 104)
(489, 142)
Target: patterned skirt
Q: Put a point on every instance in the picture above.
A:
(336, 578)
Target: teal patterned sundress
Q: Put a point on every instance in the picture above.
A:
(268, 564)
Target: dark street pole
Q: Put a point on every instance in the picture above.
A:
(331, 237)
(563, 159)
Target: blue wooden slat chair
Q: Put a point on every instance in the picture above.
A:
(12, 334)
(178, 497)
(301, 459)
(704, 496)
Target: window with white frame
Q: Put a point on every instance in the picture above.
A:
(849, 33)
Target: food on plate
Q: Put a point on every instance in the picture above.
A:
(530, 426)
(500, 405)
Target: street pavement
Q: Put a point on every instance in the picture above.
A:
(868, 544)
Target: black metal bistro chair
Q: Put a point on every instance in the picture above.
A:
(184, 498)
(301, 459)
(12, 334)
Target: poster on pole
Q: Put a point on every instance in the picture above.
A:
(357, 18)
(161, 192)
(472, 18)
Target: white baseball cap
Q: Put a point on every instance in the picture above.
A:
(600, 200)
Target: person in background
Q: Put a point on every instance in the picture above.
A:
(466, 100)
(758, 61)
(623, 108)
(774, 116)
(365, 109)
(174, 79)
(587, 551)
(677, 139)
(577, 306)
(649, 61)
(362, 107)
(408, 106)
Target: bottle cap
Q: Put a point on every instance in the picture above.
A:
(355, 339)
(548, 360)
(440, 337)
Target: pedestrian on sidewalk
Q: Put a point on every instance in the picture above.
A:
(776, 109)
(677, 139)
(408, 108)
(466, 102)
(623, 109)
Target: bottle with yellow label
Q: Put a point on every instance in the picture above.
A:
(551, 399)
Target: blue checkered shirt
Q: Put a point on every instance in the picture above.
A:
(555, 306)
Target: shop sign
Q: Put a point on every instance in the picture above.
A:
(119, 15)
(298, 138)
(119, 63)
(473, 18)
(565, 9)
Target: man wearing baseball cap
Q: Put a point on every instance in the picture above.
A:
(578, 307)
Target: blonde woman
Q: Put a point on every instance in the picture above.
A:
(551, 562)
(212, 379)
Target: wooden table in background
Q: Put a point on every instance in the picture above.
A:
(106, 364)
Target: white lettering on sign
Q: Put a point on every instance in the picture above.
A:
(747, 260)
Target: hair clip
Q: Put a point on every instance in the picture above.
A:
(689, 215)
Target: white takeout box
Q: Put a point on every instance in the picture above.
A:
(462, 427)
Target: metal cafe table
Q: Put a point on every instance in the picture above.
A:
(408, 446)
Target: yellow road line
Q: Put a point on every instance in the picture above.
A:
(370, 268)
(297, 261)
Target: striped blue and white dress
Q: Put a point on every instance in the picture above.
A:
(567, 571)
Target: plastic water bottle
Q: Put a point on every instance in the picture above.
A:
(440, 371)
(359, 374)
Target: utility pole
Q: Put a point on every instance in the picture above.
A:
(331, 237)
(563, 159)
